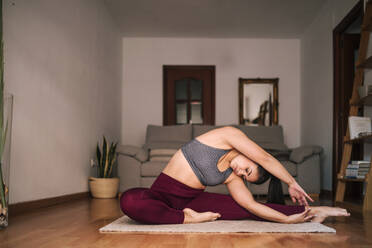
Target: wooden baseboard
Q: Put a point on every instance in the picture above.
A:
(326, 194)
(24, 207)
(314, 196)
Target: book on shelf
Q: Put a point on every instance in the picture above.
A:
(355, 177)
(357, 169)
(360, 162)
(363, 171)
(358, 124)
(351, 172)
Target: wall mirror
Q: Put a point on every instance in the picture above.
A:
(258, 101)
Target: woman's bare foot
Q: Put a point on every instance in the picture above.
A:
(323, 212)
(192, 216)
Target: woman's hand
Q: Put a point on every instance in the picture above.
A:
(297, 193)
(300, 218)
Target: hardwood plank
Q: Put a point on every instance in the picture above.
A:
(76, 223)
(366, 139)
(366, 101)
(366, 64)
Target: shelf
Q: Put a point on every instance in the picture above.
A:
(365, 101)
(352, 180)
(366, 139)
(367, 28)
(366, 64)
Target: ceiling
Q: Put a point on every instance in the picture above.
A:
(213, 18)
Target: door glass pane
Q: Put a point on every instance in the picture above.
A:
(196, 89)
(181, 89)
(196, 113)
(181, 113)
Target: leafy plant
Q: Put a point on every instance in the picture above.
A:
(106, 158)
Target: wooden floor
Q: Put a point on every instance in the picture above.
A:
(76, 224)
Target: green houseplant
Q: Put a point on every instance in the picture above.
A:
(6, 107)
(104, 185)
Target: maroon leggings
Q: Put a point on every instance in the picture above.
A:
(164, 201)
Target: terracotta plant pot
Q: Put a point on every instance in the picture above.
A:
(104, 187)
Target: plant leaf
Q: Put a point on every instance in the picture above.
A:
(98, 153)
(113, 155)
(104, 156)
(106, 151)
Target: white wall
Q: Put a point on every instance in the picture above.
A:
(142, 90)
(63, 65)
(317, 81)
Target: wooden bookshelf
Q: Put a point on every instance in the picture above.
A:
(366, 64)
(352, 180)
(366, 139)
(367, 28)
(365, 101)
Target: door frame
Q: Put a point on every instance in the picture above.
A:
(354, 14)
(211, 68)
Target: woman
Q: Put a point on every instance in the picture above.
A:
(223, 155)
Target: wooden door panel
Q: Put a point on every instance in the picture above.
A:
(172, 74)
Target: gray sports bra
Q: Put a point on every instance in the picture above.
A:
(203, 160)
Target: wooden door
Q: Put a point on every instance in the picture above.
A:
(344, 58)
(188, 95)
(349, 46)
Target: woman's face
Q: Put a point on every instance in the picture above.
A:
(244, 167)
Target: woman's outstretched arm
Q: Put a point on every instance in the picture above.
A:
(237, 139)
(244, 198)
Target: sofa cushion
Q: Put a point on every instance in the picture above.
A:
(173, 136)
(200, 129)
(272, 146)
(162, 152)
(161, 158)
(263, 134)
(152, 168)
(128, 149)
(262, 189)
(280, 155)
(137, 152)
(270, 138)
(299, 154)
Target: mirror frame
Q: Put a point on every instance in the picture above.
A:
(274, 82)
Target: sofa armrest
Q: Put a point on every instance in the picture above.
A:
(308, 174)
(300, 154)
(136, 152)
(129, 172)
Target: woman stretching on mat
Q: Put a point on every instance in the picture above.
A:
(223, 155)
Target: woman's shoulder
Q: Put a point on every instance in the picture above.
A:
(219, 132)
(215, 138)
(219, 135)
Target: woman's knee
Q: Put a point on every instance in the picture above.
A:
(129, 200)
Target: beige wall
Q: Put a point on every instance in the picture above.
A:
(63, 65)
(142, 90)
(317, 81)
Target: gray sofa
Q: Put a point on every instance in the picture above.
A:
(139, 166)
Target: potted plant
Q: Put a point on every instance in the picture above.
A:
(104, 186)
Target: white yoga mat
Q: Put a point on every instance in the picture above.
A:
(125, 224)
